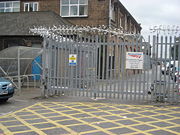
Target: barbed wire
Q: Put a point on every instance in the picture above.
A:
(56, 31)
(166, 29)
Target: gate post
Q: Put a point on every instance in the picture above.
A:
(44, 69)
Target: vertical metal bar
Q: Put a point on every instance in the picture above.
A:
(119, 69)
(99, 66)
(149, 76)
(71, 77)
(95, 48)
(153, 68)
(111, 45)
(174, 63)
(156, 68)
(142, 92)
(61, 63)
(115, 77)
(127, 76)
(71, 67)
(89, 57)
(19, 71)
(66, 62)
(79, 68)
(84, 69)
(131, 80)
(58, 62)
(103, 65)
(137, 75)
(167, 74)
(44, 85)
(79, 41)
(123, 70)
(166, 83)
(160, 91)
(92, 68)
(178, 70)
(50, 69)
(55, 67)
(107, 68)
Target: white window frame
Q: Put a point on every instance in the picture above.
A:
(28, 3)
(70, 5)
(11, 7)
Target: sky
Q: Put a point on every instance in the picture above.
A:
(152, 13)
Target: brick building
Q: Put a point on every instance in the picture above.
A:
(80, 12)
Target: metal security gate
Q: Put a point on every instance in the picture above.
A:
(92, 62)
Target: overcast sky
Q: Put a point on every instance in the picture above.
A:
(154, 12)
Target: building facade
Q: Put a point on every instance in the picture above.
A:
(110, 13)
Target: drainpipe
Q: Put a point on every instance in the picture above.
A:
(109, 13)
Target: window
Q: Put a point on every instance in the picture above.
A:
(31, 6)
(74, 8)
(10, 6)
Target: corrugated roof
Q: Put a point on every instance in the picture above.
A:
(19, 23)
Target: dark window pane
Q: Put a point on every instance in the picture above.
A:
(16, 4)
(26, 7)
(31, 7)
(73, 10)
(83, 1)
(16, 9)
(9, 4)
(1, 10)
(65, 1)
(35, 7)
(8, 10)
(73, 1)
(65, 11)
(82, 10)
(1, 5)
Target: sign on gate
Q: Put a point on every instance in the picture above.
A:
(134, 60)
(72, 59)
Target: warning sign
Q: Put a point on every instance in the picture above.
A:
(72, 59)
(134, 60)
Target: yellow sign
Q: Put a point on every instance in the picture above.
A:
(72, 59)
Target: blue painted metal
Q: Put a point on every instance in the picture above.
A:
(36, 69)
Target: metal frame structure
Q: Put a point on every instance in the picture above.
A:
(15, 61)
(100, 65)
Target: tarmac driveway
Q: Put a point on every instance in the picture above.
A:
(91, 118)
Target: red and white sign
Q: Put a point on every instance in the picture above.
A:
(134, 60)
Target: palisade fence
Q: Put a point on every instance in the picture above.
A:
(100, 62)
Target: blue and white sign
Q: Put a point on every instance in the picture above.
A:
(72, 59)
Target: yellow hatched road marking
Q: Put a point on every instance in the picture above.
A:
(101, 129)
(26, 131)
(5, 129)
(29, 125)
(18, 111)
(98, 109)
(106, 119)
(141, 122)
(55, 123)
(157, 127)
